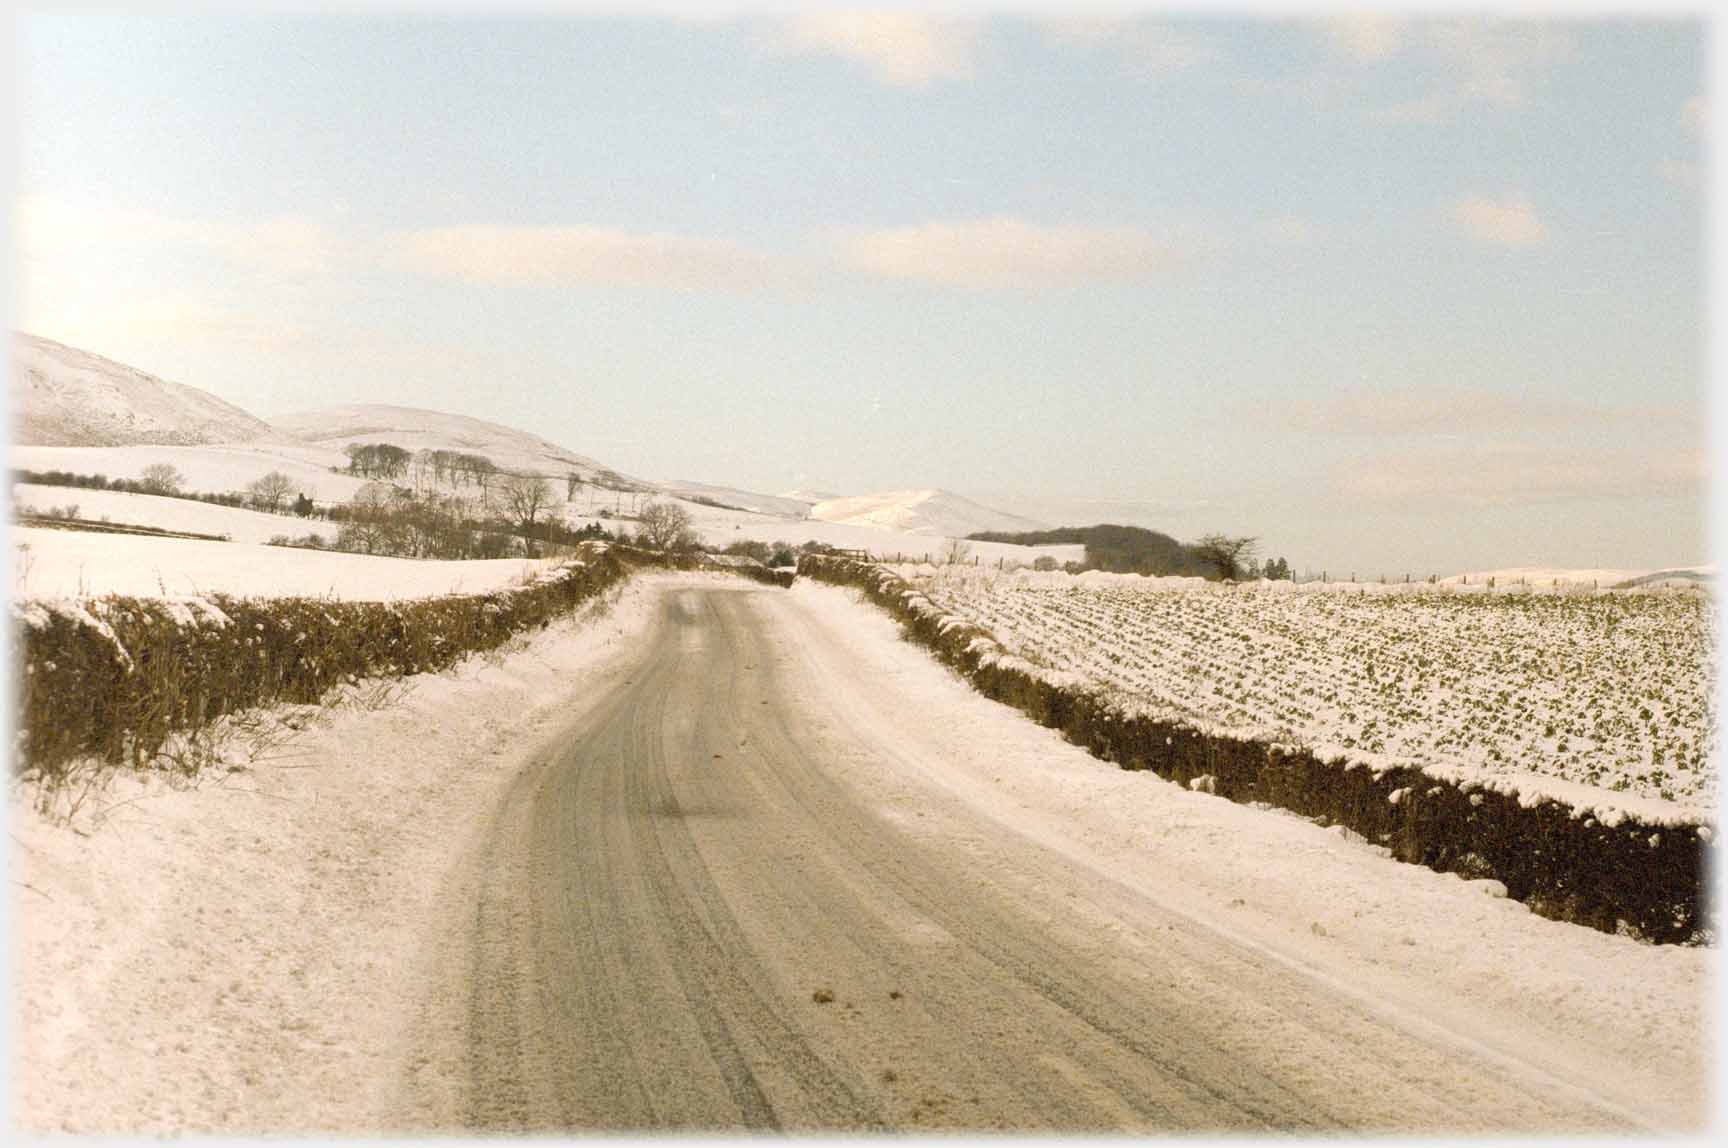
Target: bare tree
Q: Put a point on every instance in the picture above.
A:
(956, 551)
(482, 470)
(523, 497)
(1223, 555)
(272, 491)
(368, 528)
(161, 478)
(665, 526)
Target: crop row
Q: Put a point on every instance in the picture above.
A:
(1612, 691)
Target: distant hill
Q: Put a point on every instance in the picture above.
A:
(731, 497)
(810, 497)
(939, 513)
(1118, 549)
(62, 396)
(414, 429)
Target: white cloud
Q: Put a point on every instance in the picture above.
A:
(564, 255)
(286, 245)
(1365, 37)
(1005, 252)
(904, 48)
(1510, 222)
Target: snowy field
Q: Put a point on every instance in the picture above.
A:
(210, 469)
(74, 564)
(1571, 694)
(166, 513)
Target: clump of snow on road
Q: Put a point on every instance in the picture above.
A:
(51, 563)
(1433, 948)
(244, 952)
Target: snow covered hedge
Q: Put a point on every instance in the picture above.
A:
(1565, 863)
(115, 678)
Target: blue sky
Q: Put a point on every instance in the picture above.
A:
(1393, 294)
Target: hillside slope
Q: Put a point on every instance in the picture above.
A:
(62, 396)
(938, 513)
(414, 428)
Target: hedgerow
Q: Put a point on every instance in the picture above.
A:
(116, 678)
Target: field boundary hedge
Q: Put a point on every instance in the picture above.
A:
(1564, 866)
(115, 679)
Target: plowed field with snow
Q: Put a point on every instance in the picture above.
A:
(1602, 699)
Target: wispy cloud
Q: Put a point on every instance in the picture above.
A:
(1512, 474)
(907, 49)
(567, 255)
(1151, 48)
(1006, 252)
(1695, 115)
(1448, 413)
(1682, 173)
(1288, 231)
(1365, 37)
(1493, 62)
(1509, 222)
(286, 245)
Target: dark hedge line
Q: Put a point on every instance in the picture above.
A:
(115, 678)
(1649, 877)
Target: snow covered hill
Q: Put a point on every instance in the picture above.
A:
(62, 396)
(729, 496)
(936, 513)
(810, 497)
(413, 429)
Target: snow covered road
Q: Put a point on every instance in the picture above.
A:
(788, 874)
(528, 894)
